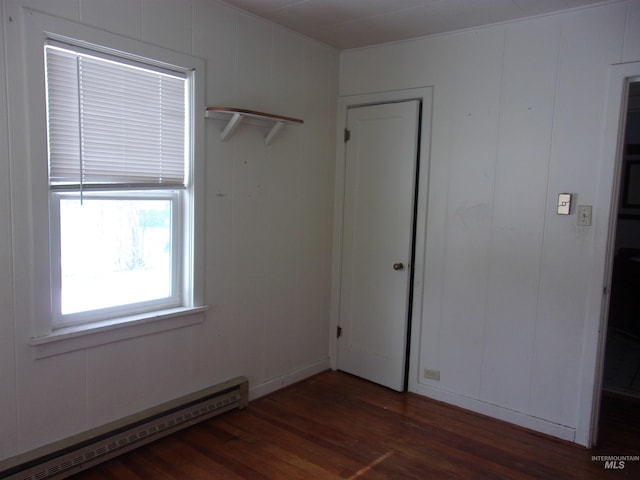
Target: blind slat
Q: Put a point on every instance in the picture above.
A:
(112, 123)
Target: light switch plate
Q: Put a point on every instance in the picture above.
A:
(564, 203)
(584, 215)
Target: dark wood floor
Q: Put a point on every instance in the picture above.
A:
(335, 426)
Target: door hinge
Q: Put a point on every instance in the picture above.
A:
(347, 135)
(338, 332)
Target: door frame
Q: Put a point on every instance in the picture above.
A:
(424, 95)
(598, 296)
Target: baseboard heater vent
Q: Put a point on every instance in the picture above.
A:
(69, 456)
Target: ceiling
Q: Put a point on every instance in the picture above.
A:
(348, 24)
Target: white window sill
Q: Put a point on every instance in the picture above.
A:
(79, 337)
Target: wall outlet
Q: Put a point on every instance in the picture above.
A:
(432, 374)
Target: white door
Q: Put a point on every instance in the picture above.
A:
(380, 181)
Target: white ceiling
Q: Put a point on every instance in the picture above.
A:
(348, 24)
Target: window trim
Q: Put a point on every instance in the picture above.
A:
(38, 28)
(78, 337)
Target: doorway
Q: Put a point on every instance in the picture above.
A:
(622, 351)
(620, 392)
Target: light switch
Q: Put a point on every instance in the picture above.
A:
(584, 215)
(564, 203)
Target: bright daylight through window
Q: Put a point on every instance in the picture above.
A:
(118, 184)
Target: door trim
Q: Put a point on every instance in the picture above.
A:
(424, 94)
(605, 207)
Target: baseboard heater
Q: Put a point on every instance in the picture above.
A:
(71, 455)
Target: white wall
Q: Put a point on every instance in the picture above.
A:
(518, 117)
(268, 227)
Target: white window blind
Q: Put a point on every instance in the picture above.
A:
(113, 123)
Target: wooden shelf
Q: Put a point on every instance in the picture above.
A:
(236, 115)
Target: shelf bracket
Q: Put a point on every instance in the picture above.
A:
(234, 121)
(273, 132)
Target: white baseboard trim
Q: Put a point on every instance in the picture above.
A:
(287, 379)
(511, 416)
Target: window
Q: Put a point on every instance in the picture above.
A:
(119, 158)
(112, 184)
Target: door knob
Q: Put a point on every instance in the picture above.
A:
(398, 266)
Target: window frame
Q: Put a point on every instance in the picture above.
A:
(38, 29)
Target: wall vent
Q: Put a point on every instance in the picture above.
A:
(67, 457)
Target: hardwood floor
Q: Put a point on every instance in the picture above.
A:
(336, 426)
